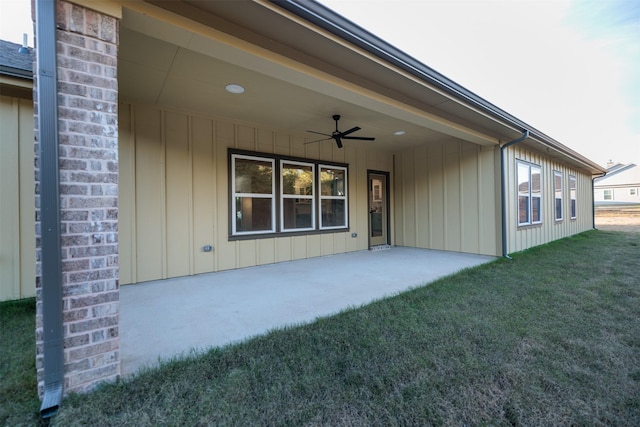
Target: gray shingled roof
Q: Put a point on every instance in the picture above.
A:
(13, 63)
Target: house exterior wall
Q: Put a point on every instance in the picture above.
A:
(88, 159)
(17, 231)
(619, 194)
(523, 237)
(446, 199)
(174, 194)
(623, 187)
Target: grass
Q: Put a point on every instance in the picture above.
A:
(18, 396)
(549, 338)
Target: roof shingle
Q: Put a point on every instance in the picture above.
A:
(13, 63)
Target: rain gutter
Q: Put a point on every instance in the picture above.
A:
(503, 190)
(15, 72)
(51, 274)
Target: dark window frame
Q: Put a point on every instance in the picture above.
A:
(278, 160)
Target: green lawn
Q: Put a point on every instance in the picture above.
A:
(549, 338)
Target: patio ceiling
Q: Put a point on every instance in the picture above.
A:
(295, 78)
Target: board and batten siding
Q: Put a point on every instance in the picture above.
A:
(174, 195)
(446, 197)
(521, 238)
(17, 200)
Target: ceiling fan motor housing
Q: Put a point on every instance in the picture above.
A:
(337, 136)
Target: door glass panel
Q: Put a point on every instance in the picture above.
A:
(375, 207)
(377, 210)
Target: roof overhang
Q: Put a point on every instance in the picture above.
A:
(302, 63)
(17, 87)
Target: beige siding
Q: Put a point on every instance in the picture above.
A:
(521, 238)
(174, 195)
(444, 198)
(17, 206)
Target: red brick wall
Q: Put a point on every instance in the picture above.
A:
(88, 149)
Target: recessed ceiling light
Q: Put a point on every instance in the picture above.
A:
(233, 88)
(399, 133)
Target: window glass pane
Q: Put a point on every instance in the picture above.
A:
(253, 214)
(535, 180)
(332, 182)
(524, 193)
(558, 208)
(253, 176)
(557, 186)
(523, 210)
(297, 179)
(572, 195)
(297, 213)
(535, 210)
(523, 179)
(557, 181)
(333, 213)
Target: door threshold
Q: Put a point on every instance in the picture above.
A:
(379, 248)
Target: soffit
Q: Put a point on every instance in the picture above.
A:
(265, 26)
(156, 72)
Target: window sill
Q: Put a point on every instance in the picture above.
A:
(288, 234)
(528, 226)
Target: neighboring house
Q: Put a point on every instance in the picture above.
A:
(621, 185)
(184, 148)
(17, 200)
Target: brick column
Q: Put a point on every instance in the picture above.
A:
(88, 149)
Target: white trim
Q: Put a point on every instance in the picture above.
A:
(558, 174)
(234, 195)
(310, 197)
(573, 197)
(529, 193)
(344, 197)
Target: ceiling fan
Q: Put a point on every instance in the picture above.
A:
(338, 136)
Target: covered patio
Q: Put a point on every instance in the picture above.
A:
(166, 318)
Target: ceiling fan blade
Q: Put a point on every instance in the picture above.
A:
(347, 132)
(361, 138)
(319, 133)
(338, 141)
(317, 140)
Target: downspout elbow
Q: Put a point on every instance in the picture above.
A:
(503, 190)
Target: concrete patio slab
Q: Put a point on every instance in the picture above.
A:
(166, 318)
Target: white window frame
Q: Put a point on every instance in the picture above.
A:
(557, 195)
(310, 198)
(235, 195)
(573, 196)
(344, 197)
(633, 192)
(529, 193)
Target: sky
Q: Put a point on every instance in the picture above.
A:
(569, 68)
